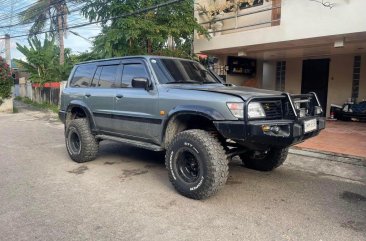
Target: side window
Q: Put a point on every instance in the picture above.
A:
(131, 71)
(95, 80)
(108, 77)
(83, 76)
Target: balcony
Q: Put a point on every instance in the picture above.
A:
(222, 17)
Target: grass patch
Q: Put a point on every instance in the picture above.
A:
(15, 110)
(43, 105)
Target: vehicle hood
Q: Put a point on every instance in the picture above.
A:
(240, 91)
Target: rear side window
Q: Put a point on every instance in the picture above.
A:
(83, 76)
(108, 77)
(131, 71)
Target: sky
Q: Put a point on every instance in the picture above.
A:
(8, 16)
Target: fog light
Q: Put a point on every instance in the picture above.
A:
(266, 128)
(275, 129)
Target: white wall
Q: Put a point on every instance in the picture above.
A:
(293, 76)
(269, 75)
(300, 19)
(340, 80)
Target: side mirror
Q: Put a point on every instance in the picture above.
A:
(140, 83)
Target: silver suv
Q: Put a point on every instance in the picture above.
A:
(178, 106)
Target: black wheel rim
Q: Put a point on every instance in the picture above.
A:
(74, 142)
(188, 166)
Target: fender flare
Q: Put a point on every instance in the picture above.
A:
(204, 111)
(208, 112)
(85, 108)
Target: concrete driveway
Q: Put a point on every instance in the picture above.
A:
(125, 194)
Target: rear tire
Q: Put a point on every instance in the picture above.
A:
(197, 164)
(268, 161)
(80, 142)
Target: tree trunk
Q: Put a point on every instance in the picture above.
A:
(149, 46)
(61, 35)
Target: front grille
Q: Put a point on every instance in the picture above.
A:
(288, 112)
(273, 109)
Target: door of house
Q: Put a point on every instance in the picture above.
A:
(315, 73)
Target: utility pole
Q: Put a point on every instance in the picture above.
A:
(7, 49)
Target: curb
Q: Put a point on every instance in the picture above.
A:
(330, 156)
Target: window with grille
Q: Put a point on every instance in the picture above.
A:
(280, 75)
(356, 77)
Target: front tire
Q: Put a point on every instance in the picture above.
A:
(197, 164)
(80, 142)
(265, 161)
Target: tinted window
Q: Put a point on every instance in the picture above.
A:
(95, 81)
(131, 71)
(83, 76)
(108, 77)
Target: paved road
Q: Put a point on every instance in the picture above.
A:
(125, 195)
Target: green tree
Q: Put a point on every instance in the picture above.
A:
(51, 12)
(143, 33)
(6, 81)
(42, 61)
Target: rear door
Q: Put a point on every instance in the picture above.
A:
(102, 93)
(80, 83)
(136, 110)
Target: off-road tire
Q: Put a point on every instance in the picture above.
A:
(87, 149)
(210, 157)
(274, 158)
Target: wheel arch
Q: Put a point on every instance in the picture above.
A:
(188, 117)
(78, 109)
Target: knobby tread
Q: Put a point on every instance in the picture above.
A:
(274, 159)
(89, 145)
(217, 163)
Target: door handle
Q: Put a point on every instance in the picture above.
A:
(87, 94)
(119, 96)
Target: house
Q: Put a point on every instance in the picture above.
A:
(295, 46)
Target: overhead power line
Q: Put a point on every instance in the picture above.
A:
(147, 9)
(22, 9)
(20, 24)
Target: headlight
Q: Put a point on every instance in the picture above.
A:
(237, 109)
(255, 110)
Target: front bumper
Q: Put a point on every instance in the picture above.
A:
(253, 135)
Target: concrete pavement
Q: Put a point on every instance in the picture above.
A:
(125, 194)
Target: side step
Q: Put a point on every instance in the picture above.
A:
(140, 144)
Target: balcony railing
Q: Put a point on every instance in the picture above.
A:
(266, 15)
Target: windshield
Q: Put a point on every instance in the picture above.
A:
(181, 71)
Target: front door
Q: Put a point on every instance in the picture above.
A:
(136, 110)
(315, 74)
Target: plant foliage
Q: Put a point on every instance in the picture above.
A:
(6, 81)
(143, 33)
(42, 61)
(48, 13)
